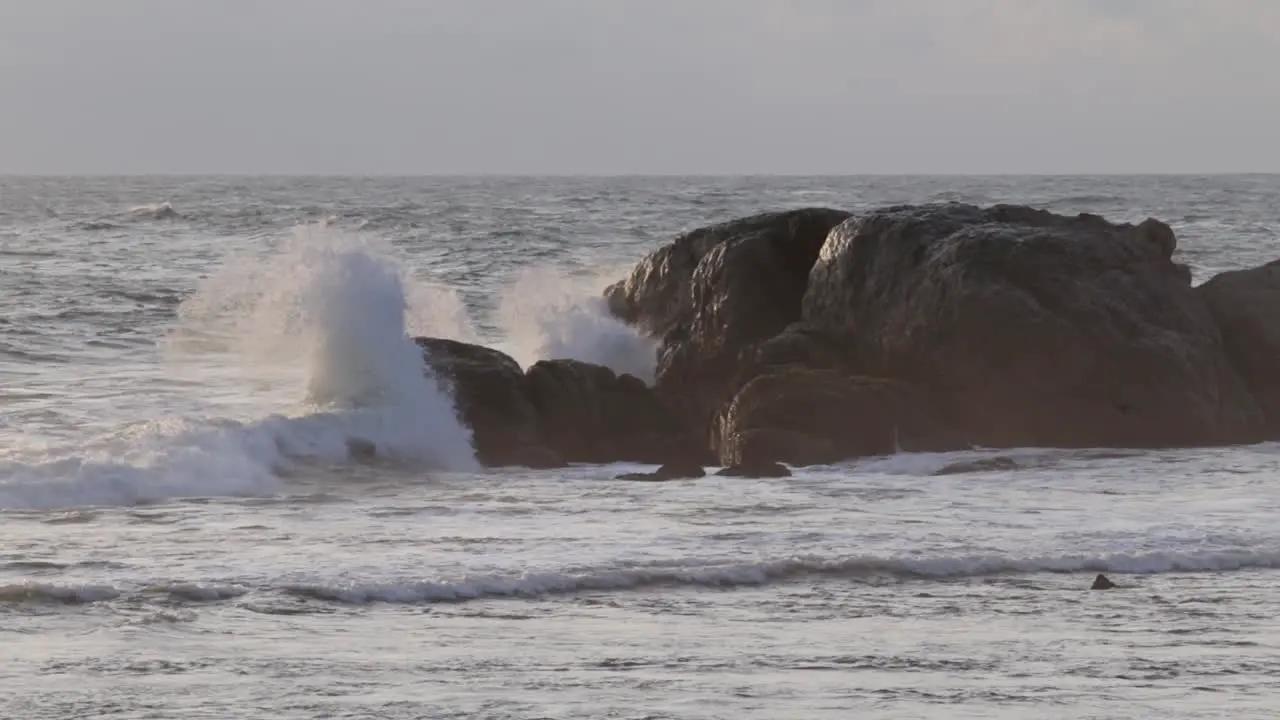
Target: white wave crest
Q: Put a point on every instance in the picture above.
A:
(320, 324)
(332, 310)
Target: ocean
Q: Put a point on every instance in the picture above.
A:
(183, 533)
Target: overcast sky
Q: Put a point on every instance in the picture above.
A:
(639, 86)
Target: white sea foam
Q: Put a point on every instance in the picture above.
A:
(324, 318)
(546, 314)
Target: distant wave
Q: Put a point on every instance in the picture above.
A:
(93, 225)
(633, 577)
(134, 215)
(27, 592)
(784, 570)
(155, 211)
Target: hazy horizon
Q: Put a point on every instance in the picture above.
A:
(623, 175)
(632, 88)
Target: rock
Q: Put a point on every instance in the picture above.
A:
(815, 417)
(1102, 582)
(995, 464)
(1246, 306)
(642, 477)
(654, 296)
(670, 471)
(557, 412)
(798, 345)
(682, 470)
(764, 470)
(489, 390)
(1033, 329)
(534, 457)
(715, 291)
(756, 446)
(361, 449)
(589, 414)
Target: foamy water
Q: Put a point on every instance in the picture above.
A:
(183, 531)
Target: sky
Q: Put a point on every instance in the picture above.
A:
(639, 86)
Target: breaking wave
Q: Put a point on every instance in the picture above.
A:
(687, 573)
(322, 321)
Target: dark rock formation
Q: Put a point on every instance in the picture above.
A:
(715, 291)
(1102, 582)
(808, 337)
(1033, 329)
(559, 411)
(813, 417)
(589, 414)
(1246, 306)
(489, 390)
(798, 345)
(751, 447)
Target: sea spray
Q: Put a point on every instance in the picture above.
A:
(545, 315)
(328, 314)
(308, 344)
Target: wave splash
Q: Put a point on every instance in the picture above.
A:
(545, 315)
(320, 323)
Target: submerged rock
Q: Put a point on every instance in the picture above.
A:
(995, 464)
(361, 449)
(756, 470)
(1033, 329)
(715, 291)
(670, 471)
(683, 470)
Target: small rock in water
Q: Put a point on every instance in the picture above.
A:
(756, 470)
(975, 466)
(670, 471)
(361, 449)
(534, 457)
(1102, 582)
(641, 477)
(681, 470)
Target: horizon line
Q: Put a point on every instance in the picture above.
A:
(569, 175)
